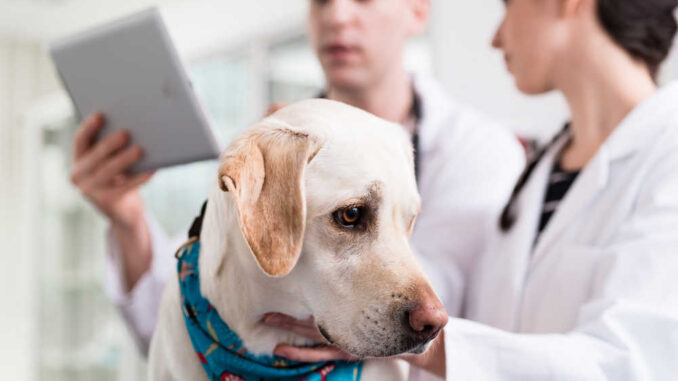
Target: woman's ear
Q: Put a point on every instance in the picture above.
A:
(497, 42)
(570, 8)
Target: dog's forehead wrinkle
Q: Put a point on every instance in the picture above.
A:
(323, 199)
(333, 182)
(337, 175)
(371, 194)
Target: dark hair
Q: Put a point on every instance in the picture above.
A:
(643, 28)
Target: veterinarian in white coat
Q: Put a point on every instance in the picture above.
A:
(596, 296)
(581, 281)
(466, 163)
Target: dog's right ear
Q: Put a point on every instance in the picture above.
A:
(264, 171)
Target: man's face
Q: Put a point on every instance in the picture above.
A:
(359, 41)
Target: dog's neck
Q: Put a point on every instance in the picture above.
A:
(233, 282)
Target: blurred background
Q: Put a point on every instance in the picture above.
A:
(55, 321)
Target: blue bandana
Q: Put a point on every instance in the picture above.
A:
(220, 350)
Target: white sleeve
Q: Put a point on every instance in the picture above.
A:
(628, 330)
(139, 307)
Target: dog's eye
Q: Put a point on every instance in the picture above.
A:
(349, 217)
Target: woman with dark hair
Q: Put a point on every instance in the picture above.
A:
(581, 282)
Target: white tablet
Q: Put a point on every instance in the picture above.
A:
(129, 70)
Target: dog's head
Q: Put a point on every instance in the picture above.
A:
(326, 197)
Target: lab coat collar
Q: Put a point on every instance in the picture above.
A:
(435, 108)
(637, 130)
(644, 122)
(582, 192)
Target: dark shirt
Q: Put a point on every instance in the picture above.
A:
(559, 183)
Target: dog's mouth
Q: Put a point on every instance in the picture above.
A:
(419, 349)
(393, 347)
(326, 335)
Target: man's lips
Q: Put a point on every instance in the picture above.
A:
(339, 51)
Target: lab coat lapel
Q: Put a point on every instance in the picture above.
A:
(435, 108)
(636, 131)
(582, 192)
(510, 260)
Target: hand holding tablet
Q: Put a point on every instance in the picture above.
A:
(129, 71)
(99, 173)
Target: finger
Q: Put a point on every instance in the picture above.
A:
(107, 173)
(84, 135)
(87, 163)
(278, 318)
(135, 182)
(116, 165)
(121, 183)
(302, 330)
(317, 354)
(306, 328)
(120, 180)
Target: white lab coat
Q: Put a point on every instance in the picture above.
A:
(468, 165)
(596, 296)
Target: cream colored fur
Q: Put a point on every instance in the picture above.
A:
(260, 254)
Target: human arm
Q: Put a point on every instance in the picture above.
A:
(100, 173)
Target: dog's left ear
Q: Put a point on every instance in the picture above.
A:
(264, 172)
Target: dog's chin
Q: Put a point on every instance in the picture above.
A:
(324, 333)
(386, 350)
(387, 347)
(419, 349)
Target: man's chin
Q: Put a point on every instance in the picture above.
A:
(346, 78)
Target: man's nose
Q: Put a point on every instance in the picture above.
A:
(339, 12)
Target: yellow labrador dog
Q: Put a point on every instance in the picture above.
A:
(310, 217)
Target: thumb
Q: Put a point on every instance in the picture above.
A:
(275, 107)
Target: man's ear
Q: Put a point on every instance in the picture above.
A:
(264, 172)
(421, 10)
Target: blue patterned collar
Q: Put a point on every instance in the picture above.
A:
(220, 350)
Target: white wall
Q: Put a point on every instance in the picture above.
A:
(25, 75)
(202, 28)
(473, 72)
(198, 27)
